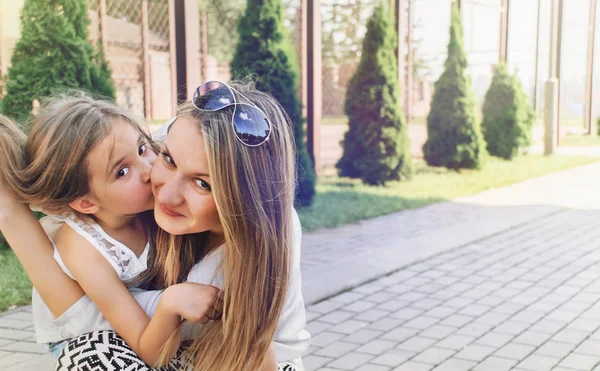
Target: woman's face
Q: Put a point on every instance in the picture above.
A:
(181, 183)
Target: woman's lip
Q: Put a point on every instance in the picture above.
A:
(168, 211)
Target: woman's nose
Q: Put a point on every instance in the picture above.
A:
(169, 192)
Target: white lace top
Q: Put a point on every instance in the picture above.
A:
(127, 265)
(84, 316)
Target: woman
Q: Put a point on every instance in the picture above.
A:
(224, 189)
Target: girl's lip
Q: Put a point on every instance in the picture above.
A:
(168, 211)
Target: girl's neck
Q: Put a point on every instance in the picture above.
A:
(125, 229)
(114, 222)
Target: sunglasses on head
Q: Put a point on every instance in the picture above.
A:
(250, 124)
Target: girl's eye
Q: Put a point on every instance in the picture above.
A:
(167, 158)
(142, 149)
(122, 172)
(202, 184)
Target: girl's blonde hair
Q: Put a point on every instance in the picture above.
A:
(253, 189)
(49, 168)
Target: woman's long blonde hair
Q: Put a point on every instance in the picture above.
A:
(253, 189)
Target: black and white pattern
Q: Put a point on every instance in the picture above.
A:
(105, 351)
(286, 367)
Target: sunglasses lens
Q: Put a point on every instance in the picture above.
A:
(251, 125)
(212, 96)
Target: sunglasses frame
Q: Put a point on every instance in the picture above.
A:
(235, 103)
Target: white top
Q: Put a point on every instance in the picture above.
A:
(83, 316)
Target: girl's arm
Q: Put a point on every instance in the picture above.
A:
(101, 283)
(34, 250)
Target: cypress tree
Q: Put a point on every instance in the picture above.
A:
(265, 50)
(454, 134)
(53, 55)
(507, 115)
(376, 146)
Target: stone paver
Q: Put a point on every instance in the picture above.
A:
(506, 280)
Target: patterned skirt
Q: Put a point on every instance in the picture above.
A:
(107, 351)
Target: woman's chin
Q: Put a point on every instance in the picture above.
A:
(167, 224)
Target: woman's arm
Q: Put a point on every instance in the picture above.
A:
(33, 248)
(101, 283)
(270, 360)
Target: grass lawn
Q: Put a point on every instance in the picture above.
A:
(15, 288)
(343, 120)
(578, 140)
(342, 200)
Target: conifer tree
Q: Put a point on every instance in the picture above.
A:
(507, 116)
(454, 138)
(376, 146)
(265, 51)
(53, 55)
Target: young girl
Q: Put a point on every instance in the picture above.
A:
(87, 164)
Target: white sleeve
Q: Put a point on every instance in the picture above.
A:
(291, 338)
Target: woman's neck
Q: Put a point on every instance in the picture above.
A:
(214, 240)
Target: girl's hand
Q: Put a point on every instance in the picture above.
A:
(195, 302)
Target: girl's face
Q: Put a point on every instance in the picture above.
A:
(120, 168)
(181, 183)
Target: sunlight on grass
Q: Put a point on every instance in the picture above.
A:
(343, 120)
(15, 288)
(334, 120)
(343, 200)
(574, 140)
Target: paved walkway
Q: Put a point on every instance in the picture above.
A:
(505, 280)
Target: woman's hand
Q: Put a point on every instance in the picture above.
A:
(194, 301)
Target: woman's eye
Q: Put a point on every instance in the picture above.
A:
(142, 149)
(202, 184)
(122, 172)
(167, 158)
